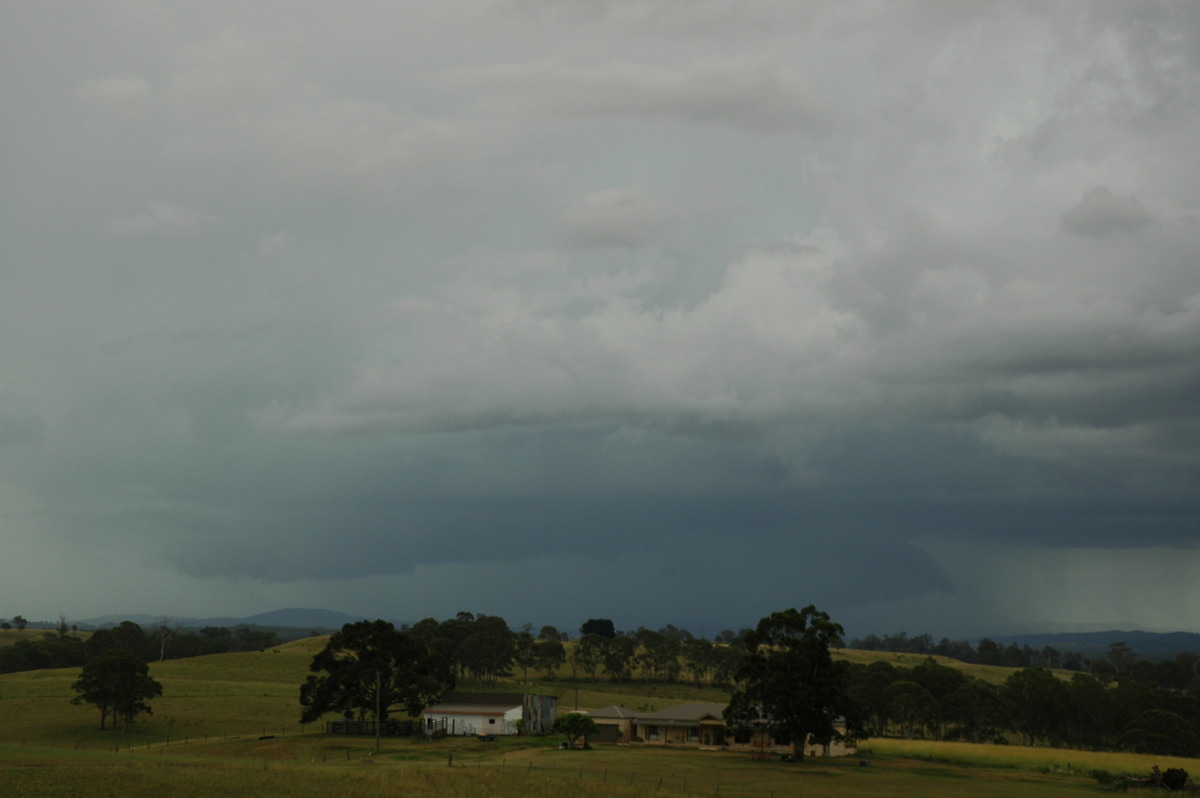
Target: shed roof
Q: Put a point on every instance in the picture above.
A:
(466, 703)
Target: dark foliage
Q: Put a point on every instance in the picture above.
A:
(598, 626)
(371, 664)
(789, 683)
(117, 683)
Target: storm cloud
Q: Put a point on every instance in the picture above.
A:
(406, 309)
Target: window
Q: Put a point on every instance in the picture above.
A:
(491, 721)
(693, 734)
(651, 732)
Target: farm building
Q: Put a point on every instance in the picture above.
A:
(460, 713)
(696, 724)
(615, 722)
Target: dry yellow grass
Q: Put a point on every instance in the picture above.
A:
(993, 674)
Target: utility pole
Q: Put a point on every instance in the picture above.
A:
(378, 722)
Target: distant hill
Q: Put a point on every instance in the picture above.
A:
(292, 618)
(323, 619)
(1147, 645)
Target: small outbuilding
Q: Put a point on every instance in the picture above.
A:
(463, 713)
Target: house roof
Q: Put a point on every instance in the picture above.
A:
(688, 714)
(614, 711)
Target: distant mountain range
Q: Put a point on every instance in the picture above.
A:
(1152, 645)
(1148, 645)
(292, 618)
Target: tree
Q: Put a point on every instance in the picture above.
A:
(726, 659)
(129, 636)
(617, 655)
(488, 649)
(371, 664)
(790, 683)
(910, 705)
(550, 655)
(975, 706)
(598, 626)
(1090, 711)
(574, 725)
(20, 623)
(585, 655)
(941, 682)
(1121, 656)
(526, 653)
(117, 683)
(1160, 731)
(870, 689)
(698, 654)
(989, 652)
(659, 657)
(1036, 702)
(164, 632)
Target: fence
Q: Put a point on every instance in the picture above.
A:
(391, 728)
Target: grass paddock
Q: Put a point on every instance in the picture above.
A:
(228, 725)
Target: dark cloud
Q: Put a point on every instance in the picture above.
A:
(718, 310)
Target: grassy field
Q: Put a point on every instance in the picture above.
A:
(10, 636)
(993, 674)
(228, 725)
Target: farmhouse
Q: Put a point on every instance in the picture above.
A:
(699, 725)
(615, 722)
(461, 713)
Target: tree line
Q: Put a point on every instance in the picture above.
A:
(1122, 703)
(483, 649)
(1091, 712)
(371, 669)
(65, 648)
(1178, 673)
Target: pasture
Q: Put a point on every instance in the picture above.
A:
(228, 725)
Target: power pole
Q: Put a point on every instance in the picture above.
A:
(378, 723)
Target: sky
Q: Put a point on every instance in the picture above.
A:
(650, 310)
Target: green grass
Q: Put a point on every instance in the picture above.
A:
(10, 636)
(321, 767)
(205, 738)
(1014, 757)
